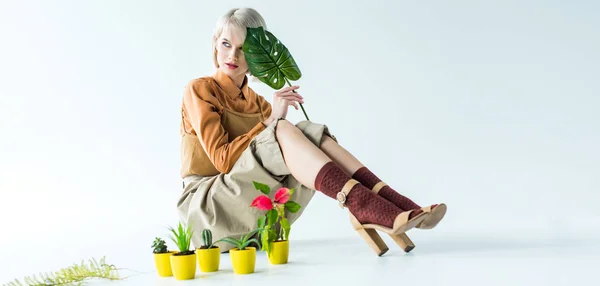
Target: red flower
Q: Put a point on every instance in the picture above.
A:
(262, 203)
(282, 196)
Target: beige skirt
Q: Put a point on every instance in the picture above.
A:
(221, 203)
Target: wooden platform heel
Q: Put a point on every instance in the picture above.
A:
(368, 232)
(403, 241)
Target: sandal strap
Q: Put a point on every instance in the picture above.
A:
(343, 194)
(402, 218)
(379, 186)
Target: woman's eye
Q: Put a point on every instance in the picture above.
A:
(226, 44)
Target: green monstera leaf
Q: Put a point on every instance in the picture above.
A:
(269, 60)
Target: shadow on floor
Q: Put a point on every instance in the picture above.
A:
(456, 244)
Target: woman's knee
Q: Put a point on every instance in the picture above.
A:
(283, 123)
(286, 129)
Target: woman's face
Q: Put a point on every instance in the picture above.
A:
(230, 56)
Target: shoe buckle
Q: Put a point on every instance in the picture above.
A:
(341, 198)
(343, 194)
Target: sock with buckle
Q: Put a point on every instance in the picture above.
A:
(369, 180)
(363, 203)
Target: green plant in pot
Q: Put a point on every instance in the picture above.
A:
(274, 226)
(183, 263)
(162, 257)
(269, 60)
(243, 256)
(209, 255)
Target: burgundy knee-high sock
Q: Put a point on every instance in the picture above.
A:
(365, 205)
(369, 180)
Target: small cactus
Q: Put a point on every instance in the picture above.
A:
(159, 246)
(207, 238)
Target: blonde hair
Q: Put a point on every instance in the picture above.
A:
(239, 19)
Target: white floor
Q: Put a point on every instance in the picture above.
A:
(511, 259)
(507, 250)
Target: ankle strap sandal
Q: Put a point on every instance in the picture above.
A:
(343, 194)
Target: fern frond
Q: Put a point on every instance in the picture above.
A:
(75, 274)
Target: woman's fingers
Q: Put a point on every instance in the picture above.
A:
(288, 97)
(287, 89)
(291, 93)
(288, 93)
(294, 97)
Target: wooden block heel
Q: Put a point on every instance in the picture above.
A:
(368, 231)
(403, 241)
(373, 240)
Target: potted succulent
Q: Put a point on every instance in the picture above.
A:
(183, 263)
(243, 256)
(274, 226)
(162, 257)
(209, 255)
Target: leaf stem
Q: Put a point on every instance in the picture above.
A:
(289, 84)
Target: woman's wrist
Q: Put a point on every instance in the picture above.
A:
(268, 121)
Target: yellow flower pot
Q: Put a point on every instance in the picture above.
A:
(163, 263)
(243, 261)
(184, 266)
(209, 259)
(279, 252)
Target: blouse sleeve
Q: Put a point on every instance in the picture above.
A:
(201, 107)
(265, 106)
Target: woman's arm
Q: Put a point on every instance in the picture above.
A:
(266, 110)
(200, 105)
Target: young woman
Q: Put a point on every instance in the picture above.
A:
(232, 136)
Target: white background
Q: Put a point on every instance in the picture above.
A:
(488, 106)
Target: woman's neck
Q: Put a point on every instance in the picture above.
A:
(238, 80)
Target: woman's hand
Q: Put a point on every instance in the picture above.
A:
(282, 99)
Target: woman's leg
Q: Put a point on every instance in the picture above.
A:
(301, 156)
(314, 169)
(353, 167)
(359, 172)
(340, 156)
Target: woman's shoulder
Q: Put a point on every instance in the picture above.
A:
(201, 86)
(203, 81)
